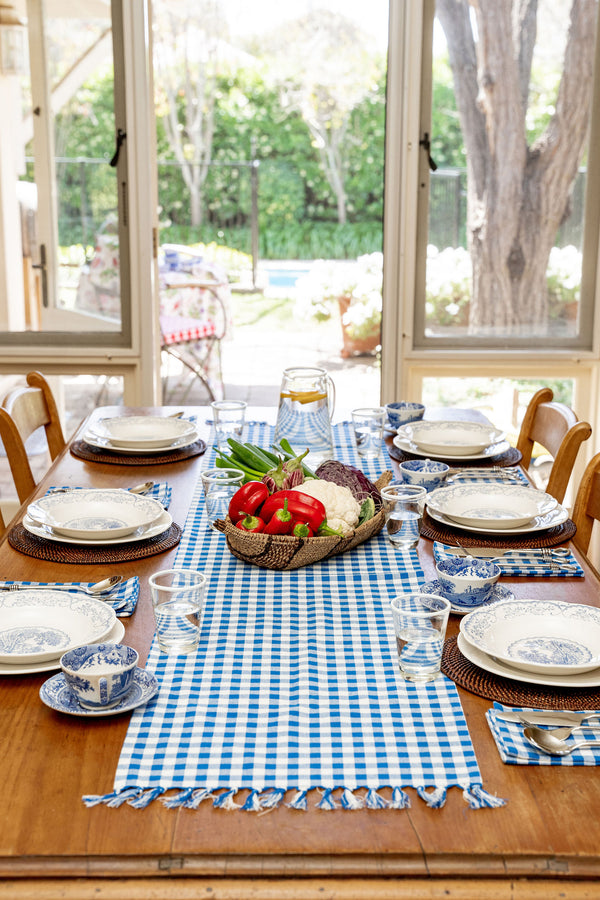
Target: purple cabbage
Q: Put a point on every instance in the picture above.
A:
(350, 477)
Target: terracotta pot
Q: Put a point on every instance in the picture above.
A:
(363, 346)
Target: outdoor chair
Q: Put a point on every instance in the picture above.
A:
(587, 504)
(556, 428)
(25, 409)
(194, 307)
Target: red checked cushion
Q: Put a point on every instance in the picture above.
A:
(179, 329)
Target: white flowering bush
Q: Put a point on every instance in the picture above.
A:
(360, 282)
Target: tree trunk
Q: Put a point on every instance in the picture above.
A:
(516, 195)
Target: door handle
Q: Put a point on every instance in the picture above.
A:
(44, 274)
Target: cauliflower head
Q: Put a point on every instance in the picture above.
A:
(342, 509)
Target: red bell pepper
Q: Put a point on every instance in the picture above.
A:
(251, 523)
(281, 521)
(302, 507)
(247, 500)
(301, 529)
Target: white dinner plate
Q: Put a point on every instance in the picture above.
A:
(556, 516)
(451, 438)
(497, 506)
(95, 514)
(114, 636)
(163, 522)
(406, 446)
(36, 625)
(129, 450)
(545, 637)
(143, 432)
(485, 662)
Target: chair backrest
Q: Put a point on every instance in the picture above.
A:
(586, 509)
(25, 409)
(557, 429)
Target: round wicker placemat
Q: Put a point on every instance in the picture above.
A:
(25, 542)
(510, 457)
(436, 531)
(513, 693)
(92, 454)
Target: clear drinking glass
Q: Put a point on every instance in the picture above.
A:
(420, 622)
(177, 599)
(228, 418)
(403, 510)
(368, 425)
(219, 487)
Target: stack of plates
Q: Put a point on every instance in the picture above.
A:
(537, 641)
(93, 516)
(494, 507)
(38, 626)
(141, 434)
(451, 440)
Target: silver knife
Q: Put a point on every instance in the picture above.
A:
(547, 717)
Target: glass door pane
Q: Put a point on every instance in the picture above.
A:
(509, 130)
(270, 136)
(67, 188)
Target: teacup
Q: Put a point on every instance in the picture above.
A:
(427, 473)
(467, 582)
(401, 412)
(99, 675)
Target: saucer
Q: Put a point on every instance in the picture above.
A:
(55, 693)
(499, 592)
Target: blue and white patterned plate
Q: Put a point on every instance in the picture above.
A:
(55, 693)
(452, 438)
(115, 636)
(404, 443)
(37, 625)
(540, 636)
(95, 514)
(499, 592)
(491, 505)
(163, 522)
(143, 432)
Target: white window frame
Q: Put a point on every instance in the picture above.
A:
(405, 366)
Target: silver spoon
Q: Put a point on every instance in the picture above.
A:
(564, 731)
(144, 488)
(547, 743)
(105, 586)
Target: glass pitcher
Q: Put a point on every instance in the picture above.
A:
(306, 404)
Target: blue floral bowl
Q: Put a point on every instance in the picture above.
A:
(427, 473)
(467, 582)
(402, 412)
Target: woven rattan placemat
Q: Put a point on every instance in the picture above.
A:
(513, 693)
(31, 545)
(92, 454)
(436, 531)
(510, 457)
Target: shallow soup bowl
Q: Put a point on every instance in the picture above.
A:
(99, 675)
(467, 582)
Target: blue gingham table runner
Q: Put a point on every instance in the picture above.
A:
(295, 689)
(515, 750)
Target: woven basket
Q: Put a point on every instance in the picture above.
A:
(283, 551)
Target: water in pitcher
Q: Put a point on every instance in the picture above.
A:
(304, 415)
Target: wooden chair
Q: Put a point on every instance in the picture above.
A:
(557, 429)
(25, 409)
(587, 504)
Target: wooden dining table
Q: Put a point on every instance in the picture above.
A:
(544, 843)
